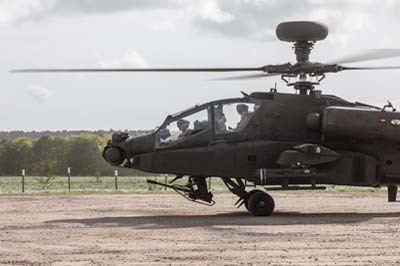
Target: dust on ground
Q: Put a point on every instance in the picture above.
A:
(308, 228)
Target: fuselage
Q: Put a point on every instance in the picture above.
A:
(364, 137)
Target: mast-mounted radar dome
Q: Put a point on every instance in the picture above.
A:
(300, 31)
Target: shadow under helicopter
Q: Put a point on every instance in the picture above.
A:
(227, 219)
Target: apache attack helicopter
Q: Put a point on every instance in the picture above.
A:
(275, 140)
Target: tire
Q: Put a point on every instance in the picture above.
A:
(261, 204)
(249, 194)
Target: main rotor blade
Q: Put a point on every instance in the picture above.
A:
(371, 68)
(67, 70)
(253, 76)
(369, 55)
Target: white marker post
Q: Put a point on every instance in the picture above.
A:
(69, 178)
(116, 179)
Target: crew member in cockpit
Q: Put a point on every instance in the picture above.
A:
(245, 115)
(183, 126)
(220, 120)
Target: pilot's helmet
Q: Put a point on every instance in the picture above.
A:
(182, 122)
(240, 108)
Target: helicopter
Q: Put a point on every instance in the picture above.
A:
(280, 141)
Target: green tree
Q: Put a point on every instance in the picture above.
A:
(15, 155)
(60, 148)
(84, 155)
(45, 156)
(50, 156)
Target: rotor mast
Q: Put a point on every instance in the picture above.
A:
(303, 35)
(302, 50)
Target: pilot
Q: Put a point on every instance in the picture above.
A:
(220, 121)
(183, 126)
(245, 115)
(163, 135)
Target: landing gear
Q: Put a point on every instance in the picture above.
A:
(257, 202)
(249, 194)
(261, 204)
(392, 193)
(195, 189)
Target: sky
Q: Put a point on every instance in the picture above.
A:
(172, 33)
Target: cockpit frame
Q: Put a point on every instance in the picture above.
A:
(210, 107)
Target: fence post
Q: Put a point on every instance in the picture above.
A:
(69, 178)
(166, 180)
(116, 179)
(23, 180)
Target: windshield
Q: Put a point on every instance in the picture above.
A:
(183, 127)
(230, 117)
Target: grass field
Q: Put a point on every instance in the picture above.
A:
(92, 184)
(125, 184)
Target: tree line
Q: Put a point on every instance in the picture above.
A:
(52, 155)
(63, 133)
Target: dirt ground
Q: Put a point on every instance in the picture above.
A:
(306, 229)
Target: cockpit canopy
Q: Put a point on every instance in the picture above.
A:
(184, 127)
(216, 118)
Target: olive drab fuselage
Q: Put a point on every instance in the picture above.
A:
(289, 139)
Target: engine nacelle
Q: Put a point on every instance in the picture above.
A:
(361, 123)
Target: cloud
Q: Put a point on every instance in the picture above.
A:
(253, 19)
(248, 18)
(110, 6)
(17, 10)
(131, 58)
(40, 94)
(210, 10)
(14, 11)
(257, 19)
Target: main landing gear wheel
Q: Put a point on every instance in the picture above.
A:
(248, 196)
(261, 204)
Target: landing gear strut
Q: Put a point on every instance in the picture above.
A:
(257, 202)
(392, 193)
(194, 190)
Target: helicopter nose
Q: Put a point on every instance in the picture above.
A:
(121, 148)
(113, 155)
(114, 150)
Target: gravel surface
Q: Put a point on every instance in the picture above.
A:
(308, 228)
